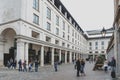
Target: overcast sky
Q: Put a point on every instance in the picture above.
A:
(91, 14)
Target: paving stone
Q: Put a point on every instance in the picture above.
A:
(65, 72)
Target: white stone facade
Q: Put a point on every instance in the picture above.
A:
(97, 44)
(28, 40)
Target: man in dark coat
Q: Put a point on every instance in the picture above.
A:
(78, 67)
(113, 66)
(36, 65)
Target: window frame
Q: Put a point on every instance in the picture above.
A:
(35, 19)
(36, 4)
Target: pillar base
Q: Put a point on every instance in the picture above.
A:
(1, 63)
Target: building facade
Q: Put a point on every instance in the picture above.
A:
(39, 29)
(114, 47)
(97, 44)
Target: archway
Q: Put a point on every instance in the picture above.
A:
(9, 45)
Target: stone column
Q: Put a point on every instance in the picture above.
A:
(52, 61)
(70, 57)
(65, 56)
(74, 56)
(20, 51)
(116, 48)
(26, 52)
(59, 55)
(42, 56)
(2, 53)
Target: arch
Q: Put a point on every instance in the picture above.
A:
(5, 28)
(9, 47)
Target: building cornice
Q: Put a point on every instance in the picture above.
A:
(106, 37)
(40, 42)
(9, 22)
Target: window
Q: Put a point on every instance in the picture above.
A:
(72, 32)
(48, 39)
(90, 52)
(78, 37)
(96, 47)
(75, 48)
(56, 42)
(57, 20)
(73, 40)
(90, 44)
(75, 35)
(72, 47)
(35, 35)
(63, 35)
(102, 43)
(57, 31)
(68, 45)
(63, 25)
(48, 26)
(63, 44)
(68, 37)
(102, 47)
(90, 48)
(96, 51)
(35, 19)
(48, 13)
(96, 43)
(102, 52)
(68, 29)
(36, 4)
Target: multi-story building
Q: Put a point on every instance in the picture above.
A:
(98, 43)
(39, 29)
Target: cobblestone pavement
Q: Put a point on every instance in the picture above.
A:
(65, 72)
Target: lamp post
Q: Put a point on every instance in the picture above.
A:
(103, 32)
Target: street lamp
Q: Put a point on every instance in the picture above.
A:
(103, 32)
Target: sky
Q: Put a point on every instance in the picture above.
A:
(91, 14)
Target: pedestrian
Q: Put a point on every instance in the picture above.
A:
(30, 66)
(105, 65)
(73, 61)
(36, 65)
(78, 67)
(14, 64)
(24, 66)
(82, 62)
(113, 67)
(11, 63)
(56, 66)
(8, 64)
(20, 65)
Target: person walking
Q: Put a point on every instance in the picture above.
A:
(82, 67)
(24, 66)
(56, 66)
(78, 67)
(36, 65)
(20, 65)
(11, 63)
(30, 66)
(113, 67)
